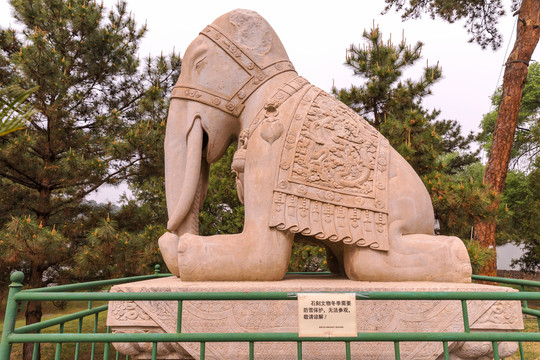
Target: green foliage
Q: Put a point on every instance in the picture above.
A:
(13, 111)
(99, 112)
(307, 258)
(520, 201)
(143, 217)
(222, 212)
(87, 130)
(459, 199)
(109, 251)
(31, 247)
(526, 145)
(481, 16)
(480, 256)
(146, 181)
(435, 148)
(394, 106)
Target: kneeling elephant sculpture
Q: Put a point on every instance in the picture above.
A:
(308, 169)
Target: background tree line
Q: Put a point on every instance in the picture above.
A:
(98, 116)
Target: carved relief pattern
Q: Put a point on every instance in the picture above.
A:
(336, 150)
(333, 175)
(127, 311)
(142, 350)
(483, 350)
(500, 315)
(281, 316)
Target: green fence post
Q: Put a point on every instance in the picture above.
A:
(78, 345)
(525, 305)
(157, 269)
(93, 351)
(299, 350)
(35, 352)
(106, 346)
(521, 352)
(495, 351)
(465, 314)
(58, 352)
(202, 354)
(90, 301)
(445, 350)
(179, 317)
(11, 314)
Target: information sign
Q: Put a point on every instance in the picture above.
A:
(326, 314)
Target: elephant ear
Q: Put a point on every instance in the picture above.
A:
(254, 35)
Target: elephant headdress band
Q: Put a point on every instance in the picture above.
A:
(233, 103)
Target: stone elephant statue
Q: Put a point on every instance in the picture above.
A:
(308, 169)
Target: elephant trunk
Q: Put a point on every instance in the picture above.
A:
(183, 193)
(186, 174)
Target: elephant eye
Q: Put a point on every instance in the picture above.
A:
(199, 65)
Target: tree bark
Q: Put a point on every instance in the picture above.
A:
(515, 75)
(33, 310)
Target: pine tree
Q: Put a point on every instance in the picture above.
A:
(141, 219)
(526, 147)
(222, 212)
(520, 200)
(147, 184)
(394, 106)
(111, 251)
(435, 148)
(481, 22)
(87, 129)
(521, 203)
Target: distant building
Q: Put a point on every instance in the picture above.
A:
(506, 253)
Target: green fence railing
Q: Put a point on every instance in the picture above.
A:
(31, 333)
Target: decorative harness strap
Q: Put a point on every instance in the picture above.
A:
(270, 108)
(267, 115)
(233, 105)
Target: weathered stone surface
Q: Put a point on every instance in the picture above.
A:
(281, 316)
(307, 167)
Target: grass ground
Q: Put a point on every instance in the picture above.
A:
(68, 350)
(531, 349)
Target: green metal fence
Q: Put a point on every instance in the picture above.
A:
(31, 333)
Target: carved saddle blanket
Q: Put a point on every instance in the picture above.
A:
(332, 181)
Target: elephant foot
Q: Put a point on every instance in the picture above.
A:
(426, 258)
(237, 257)
(168, 243)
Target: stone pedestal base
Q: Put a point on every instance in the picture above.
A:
(282, 316)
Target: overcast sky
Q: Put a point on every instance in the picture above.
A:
(316, 37)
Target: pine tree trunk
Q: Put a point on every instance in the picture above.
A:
(515, 74)
(33, 310)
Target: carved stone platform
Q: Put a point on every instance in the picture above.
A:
(282, 316)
